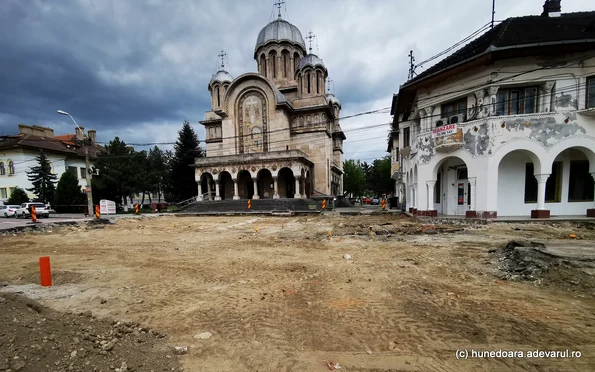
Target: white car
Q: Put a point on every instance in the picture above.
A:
(8, 210)
(40, 210)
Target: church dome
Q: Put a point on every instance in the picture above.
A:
(332, 99)
(221, 76)
(311, 60)
(280, 30)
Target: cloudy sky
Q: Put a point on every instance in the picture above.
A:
(138, 68)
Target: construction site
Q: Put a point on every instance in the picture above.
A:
(383, 292)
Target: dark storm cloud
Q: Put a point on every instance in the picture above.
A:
(138, 68)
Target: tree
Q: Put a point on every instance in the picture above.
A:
(157, 171)
(378, 179)
(116, 180)
(43, 179)
(354, 180)
(182, 183)
(69, 197)
(17, 197)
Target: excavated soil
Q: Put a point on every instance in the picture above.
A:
(371, 293)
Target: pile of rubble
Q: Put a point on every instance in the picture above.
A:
(532, 261)
(35, 338)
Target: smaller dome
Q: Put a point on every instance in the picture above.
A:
(311, 60)
(332, 99)
(221, 76)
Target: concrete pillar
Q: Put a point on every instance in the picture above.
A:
(236, 193)
(472, 213)
(209, 189)
(303, 185)
(297, 194)
(546, 95)
(217, 195)
(493, 93)
(591, 211)
(430, 199)
(541, 212)
(276, 186)
(481, 109)
(199, 196)
(255, 197)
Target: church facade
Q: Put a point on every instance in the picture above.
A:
(274, 133)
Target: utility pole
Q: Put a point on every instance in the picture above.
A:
(85, 142)
(88, 178)
(411, 65)
(493, 11)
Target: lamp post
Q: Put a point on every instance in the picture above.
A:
(87, 166)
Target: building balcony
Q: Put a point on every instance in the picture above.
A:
(486, 135)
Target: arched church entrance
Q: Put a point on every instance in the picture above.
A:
(266, 188)
(245, 185)
(225, 186)
(286, 182)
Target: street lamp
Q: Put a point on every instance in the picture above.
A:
(88, 170)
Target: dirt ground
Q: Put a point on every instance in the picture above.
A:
(280, 294)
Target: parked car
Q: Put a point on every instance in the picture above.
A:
(8, 210)
(24, 210)
(375, 201)
(367, 200)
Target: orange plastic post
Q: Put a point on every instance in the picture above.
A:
(97, 212)
(249, 204)
(45, 271)
(33, 214)
(323, 203)
(136, 208)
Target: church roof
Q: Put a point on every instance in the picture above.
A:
(280, 30)
(221, 76)
(311, 60)
(332, 99)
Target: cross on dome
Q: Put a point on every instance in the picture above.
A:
(222, 55)
(278, 4)
(311, 36)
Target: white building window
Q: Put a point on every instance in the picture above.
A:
(74, 170)
(11, 169)
(453, 108)
(2, 169)
(591, 92)
(516, 101)
(83, 172)
(3, 193)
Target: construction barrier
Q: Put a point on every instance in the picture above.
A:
(45, 271)
(33, 214)
(383, 204)
(97, 212)
(323, 204)
(136, 208)
(249, 204)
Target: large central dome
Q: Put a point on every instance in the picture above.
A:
(280, 30)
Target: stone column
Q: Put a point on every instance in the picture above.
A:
(546, 95)
(303, 185)
(276, 186)
(297, 194)
(493, 93)
(217, 195)
(199, 197)
(541, 212)
(255, 196)
(209, 189)
(431, 211)
(236, 193)
(591, 211)
(472, 213)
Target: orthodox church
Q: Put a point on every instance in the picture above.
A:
(274, 133)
